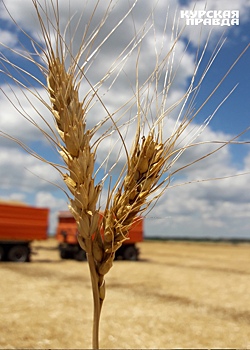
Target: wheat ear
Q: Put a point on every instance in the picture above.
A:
(144, 165)
(70, 115)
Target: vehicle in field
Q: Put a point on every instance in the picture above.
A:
(70, 249)
(20, 224)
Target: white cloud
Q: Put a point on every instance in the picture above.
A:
(216, 209)
(22, 104)
(22, 171)
(26, 179)
(8, 38)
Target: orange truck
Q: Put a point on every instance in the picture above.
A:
(20, 224)
(69, 248)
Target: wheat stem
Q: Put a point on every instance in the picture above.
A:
(97, 302)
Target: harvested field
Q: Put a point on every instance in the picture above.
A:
(180, 295)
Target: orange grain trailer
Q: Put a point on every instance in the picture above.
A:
(20, 224)
(69, 248)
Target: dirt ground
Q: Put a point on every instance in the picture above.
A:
(179, 295)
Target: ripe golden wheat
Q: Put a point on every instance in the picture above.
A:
(148, 161)
(144, 167)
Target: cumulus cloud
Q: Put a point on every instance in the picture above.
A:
(217, 209)
(7, 38)
(23, 171)
(21, 111)
(26, 179)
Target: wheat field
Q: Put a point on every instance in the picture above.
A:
(179, 295)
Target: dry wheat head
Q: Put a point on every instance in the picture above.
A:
(144, 168)
(70, 115)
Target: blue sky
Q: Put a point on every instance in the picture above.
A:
(214, 208)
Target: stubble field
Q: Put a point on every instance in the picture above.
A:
(179, 295)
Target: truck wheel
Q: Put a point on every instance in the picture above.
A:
(1, 253)
(63, 254)
(19, 253)
(130, 253)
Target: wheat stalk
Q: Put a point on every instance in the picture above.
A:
(144, 167)
(70, 116)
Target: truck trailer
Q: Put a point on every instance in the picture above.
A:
(20, 224)
(69, 247)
